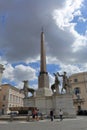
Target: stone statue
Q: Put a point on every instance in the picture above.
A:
(26, 89)
(55, 86)
(66, 83)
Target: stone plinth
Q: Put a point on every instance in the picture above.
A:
(65, 103)
(43, 92)
(44, 104)
(55, 102)
(29, 102)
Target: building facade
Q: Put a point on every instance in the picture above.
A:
(79, 90)
(10, 96)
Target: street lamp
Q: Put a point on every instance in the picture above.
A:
(1, 72)
(0, 88)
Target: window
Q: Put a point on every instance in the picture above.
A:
(79, 108)
(4, 97)
(11, 97)
(9, 105)
(77, 91)
(75, 80)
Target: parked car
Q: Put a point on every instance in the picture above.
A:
(82, 112)
(13, 113)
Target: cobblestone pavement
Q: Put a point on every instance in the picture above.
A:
(80, 123)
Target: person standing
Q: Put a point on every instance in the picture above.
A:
(34, 113)
(65, 81)
(61, 115)
(51, 115)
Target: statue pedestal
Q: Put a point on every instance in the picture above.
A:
(54, 102)
(64, 102)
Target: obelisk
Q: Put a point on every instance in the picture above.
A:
(43, 78)
(43, 56)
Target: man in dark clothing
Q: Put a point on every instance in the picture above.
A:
(51, 115)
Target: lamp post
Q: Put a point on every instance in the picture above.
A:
(0, 88)
(3, 109)
(1, 72)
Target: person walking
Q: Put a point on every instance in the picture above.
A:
(61, 115)
(51, 115)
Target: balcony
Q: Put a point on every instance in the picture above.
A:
(78, 100)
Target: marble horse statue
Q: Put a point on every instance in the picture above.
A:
(26, 89)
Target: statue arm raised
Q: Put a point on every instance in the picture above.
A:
(59, 74)
(54, 74)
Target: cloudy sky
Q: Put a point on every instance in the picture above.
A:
(65, 29)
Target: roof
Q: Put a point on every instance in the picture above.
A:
(80, 73)
(10, 86)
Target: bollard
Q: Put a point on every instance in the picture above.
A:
(11, 117)
(28, 118)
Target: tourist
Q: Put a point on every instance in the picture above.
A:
(61, 115)
(34, 113)
(51, 115)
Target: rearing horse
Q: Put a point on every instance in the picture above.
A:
(26, 89)
(55, 86)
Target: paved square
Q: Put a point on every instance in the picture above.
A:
(80, 123)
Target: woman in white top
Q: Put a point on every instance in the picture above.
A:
(61, 115)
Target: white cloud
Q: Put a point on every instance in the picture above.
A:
(21, 32)
(64, 16)
(20, 85)
(19, 73)
(79, 43)
(70, 69)
(51, 60)
(2, 61)
(8, 72)
(82, 19)
(22, 72)
(30, 60)
(20, 36)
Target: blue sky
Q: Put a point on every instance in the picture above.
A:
(65, 30)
